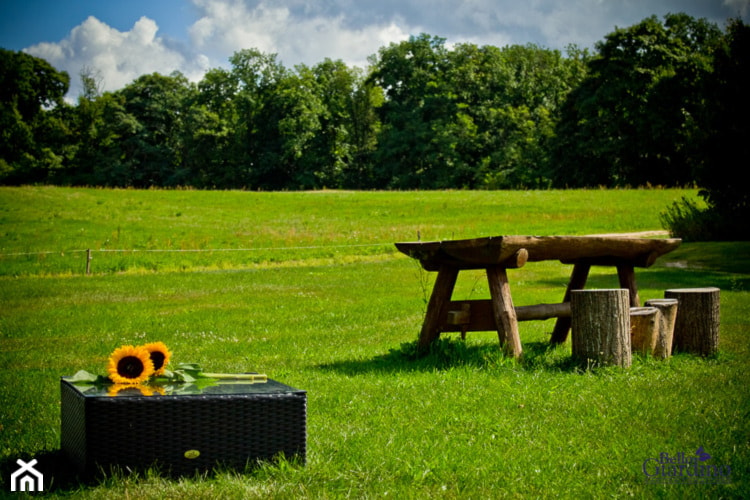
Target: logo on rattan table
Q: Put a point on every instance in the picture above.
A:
(26, 477)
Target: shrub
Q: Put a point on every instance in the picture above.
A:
(685, 219)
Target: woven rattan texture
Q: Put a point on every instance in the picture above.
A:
(225, 430)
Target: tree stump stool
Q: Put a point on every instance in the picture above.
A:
(644, 329)
(600, 321)
(696, 327)
(667, 315)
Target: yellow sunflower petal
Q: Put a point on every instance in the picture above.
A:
(129, 389)
(130, 365)
(159, 356)
(158, 389)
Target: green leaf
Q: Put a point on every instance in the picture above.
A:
(187, 373)
(84, 377)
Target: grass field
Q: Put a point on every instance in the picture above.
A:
(308, 288)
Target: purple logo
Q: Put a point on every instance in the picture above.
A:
(685, 468)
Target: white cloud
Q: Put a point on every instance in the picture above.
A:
(118, 57)
(226, 26)
(231, 25)
(308, 31)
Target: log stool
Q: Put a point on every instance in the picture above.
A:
(644, 329)
(600, 323)
(667, 315)
(696, 327)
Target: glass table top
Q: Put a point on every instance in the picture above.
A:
(201, 388)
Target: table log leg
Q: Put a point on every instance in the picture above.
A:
(504, 312)
(441, 296)
(577, 282)
(626, 274)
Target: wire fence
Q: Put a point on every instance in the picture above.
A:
(89, 253)
(167, 250)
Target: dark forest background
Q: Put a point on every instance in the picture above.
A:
(660, 103)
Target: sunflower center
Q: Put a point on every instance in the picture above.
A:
(130, 367)
(157, 358)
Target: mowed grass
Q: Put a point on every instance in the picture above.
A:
(315, 295)
(47, 230)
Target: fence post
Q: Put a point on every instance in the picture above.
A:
(88, 261)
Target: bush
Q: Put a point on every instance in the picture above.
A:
(685, 219)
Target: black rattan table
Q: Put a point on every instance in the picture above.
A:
(180, 430)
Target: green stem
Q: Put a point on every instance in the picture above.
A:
(255, 377)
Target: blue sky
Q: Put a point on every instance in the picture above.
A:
(29, 22)
(122, 39)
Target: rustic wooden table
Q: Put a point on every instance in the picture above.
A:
(499, 253)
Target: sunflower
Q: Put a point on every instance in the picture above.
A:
(159, 356)
(135, 390)
(126, 389)
(130, 365)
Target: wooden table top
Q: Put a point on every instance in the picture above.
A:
(514, 251)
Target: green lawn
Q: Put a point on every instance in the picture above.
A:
(308, 288)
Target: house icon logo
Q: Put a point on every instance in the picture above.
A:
(26, 478)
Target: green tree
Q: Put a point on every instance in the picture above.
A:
(412, 149)
(472, 116)
(292, 119)
(155, 151)
(207, 149)
(512, 97)
(31, 91)
(332, 152)
(108, 157)
(215, 149)
(85, 122)
(256, 141)
(633, 120)
(726, 147)
(329, 109)
(364, 128)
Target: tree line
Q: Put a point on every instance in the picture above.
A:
(661, 102)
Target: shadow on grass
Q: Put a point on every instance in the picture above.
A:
(446, 353)
(660, 279)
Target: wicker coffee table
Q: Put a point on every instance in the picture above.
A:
(229, 425)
